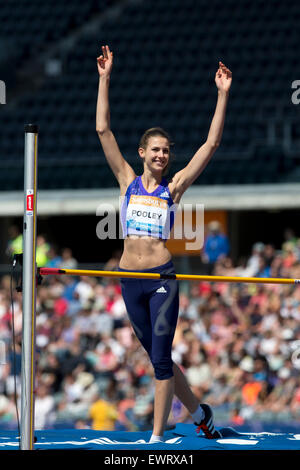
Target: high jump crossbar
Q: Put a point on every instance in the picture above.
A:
(179, 277)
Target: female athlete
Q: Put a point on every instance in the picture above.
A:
(146, 217)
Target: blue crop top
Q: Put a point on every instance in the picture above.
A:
(150, 214)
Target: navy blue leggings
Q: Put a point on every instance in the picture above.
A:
(152, 306)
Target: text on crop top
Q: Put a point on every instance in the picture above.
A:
(150, 214)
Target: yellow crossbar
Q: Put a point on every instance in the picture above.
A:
(179, 277)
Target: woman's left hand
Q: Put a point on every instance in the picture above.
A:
(223, 78)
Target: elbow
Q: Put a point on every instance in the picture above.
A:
(214, 144)
(101, 130)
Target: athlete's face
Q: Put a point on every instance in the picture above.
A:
(157, 153)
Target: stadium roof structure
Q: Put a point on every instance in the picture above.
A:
(216, 197)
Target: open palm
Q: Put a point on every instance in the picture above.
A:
(223, 77)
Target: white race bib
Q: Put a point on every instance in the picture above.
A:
(147, 214)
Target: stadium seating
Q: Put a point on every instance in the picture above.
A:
(166, 54)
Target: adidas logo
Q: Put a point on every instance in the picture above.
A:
(162, 289)
(164, 194)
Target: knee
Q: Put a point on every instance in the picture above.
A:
(163, 369)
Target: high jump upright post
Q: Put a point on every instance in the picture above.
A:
(29, 288)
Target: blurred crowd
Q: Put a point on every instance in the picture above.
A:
(238, 344)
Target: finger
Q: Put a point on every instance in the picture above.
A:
(110, 53)
(225, 69)
(104, 51)
(222, 68)
(101, 62)
(227, 72)
(107, 53)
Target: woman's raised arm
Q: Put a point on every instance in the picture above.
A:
(121, 169)
(185, 177)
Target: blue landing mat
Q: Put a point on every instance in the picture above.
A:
(182, 437)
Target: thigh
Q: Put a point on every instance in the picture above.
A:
(164, 306)
(137, 307)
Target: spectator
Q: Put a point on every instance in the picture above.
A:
(54, 260)
(289, 255)
(67, 260)
(144, 406)
(263, 269)
(107, 360)
(85, 289)
(113, 262)
(15, 242)
(237, 418)
(251, 390)
(44, 406)
(216, 244)
(289, 238)
(269, 254)
(252, 266)
(103, 414)
(125, 408)
(42, 249)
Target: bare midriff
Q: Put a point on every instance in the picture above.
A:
(143, 252)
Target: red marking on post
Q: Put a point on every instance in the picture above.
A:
(29, 204)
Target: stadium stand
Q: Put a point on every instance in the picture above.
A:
(166, 54)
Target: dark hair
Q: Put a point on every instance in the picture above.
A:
(155, 132)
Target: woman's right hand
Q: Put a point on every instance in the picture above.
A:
(105, 62)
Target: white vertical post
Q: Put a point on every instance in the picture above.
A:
(29, 288)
